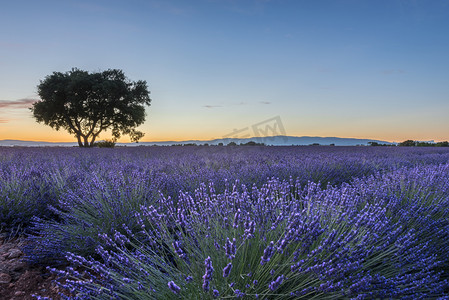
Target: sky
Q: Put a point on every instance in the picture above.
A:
(340, 68)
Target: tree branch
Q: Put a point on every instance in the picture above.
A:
(71, 126)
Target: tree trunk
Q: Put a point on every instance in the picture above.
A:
(86, 141)
(94, 136)
(80, 143)
(93, 140)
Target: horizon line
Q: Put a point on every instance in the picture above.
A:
(212, 139)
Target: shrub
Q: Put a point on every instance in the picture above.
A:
(279, 241)
(105, 144)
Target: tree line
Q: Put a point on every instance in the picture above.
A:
(411, 143)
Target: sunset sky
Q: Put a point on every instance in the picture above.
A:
(353, 68)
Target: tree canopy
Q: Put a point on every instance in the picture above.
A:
(86, 104)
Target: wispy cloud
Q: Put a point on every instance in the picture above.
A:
(393, 71)
(264, 102)
(4, 121)
(211, 106)
(20, 103)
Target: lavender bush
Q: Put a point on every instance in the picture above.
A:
(230, 222)
(283, 241)
(99, 189)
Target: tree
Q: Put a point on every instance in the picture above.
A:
(443, 144)
(86, 104)
(407, 143)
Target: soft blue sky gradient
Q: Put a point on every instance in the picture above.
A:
(365, 69)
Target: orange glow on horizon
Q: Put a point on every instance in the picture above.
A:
(25, 128)
(63, 137)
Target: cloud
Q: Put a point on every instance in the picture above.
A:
(3, 121)
(211, 106)
(264, 102)
(392, 71)
(21, 103)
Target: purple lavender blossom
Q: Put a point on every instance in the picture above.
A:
(239, 294)
(207, 277)
(227, 270)
(236, 219)
(276, 283)
(230, 248)
(382, 207)
(267, 253)
(250, 229)
(173, 287)
(178, 250)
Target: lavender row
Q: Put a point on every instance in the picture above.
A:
(32, 179)
(384, 236)
(68, 196)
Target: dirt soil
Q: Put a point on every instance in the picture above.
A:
(19, 281)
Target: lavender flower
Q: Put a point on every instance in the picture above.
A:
(173, 287)
(334, 214)
(227, 270)
(236, 219)
(276, 283)
(178, 250)
(267, 253)
(207, 277)
(230, 248)
(238, 293)
(250, 229)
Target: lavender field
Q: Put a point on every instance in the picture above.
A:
(233, 222)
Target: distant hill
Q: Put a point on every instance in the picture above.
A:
(19, 143)
(271, 141)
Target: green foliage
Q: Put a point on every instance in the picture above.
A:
(105, 144)
(86, 104)
(411, 143)
(251, 143)
(179, 241)
(109, 208)
(407, 143)
(376, 144)
(24, 195)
